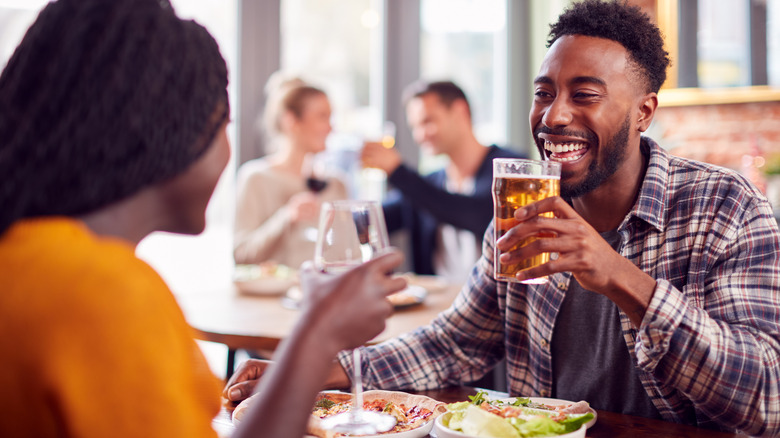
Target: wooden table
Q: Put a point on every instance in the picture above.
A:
(253, 322)
(608, 424)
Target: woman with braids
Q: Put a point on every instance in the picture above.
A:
(279, 196)
(112, 126)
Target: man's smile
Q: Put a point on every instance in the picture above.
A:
(563, 147)
(565, 152)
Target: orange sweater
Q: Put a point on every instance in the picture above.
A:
(92, 342)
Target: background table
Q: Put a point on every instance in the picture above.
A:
(253, 322)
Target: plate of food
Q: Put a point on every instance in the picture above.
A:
(415, 414)
(515, 417)
(264, 279)
(431, 283)
(408, 297)
(411, 296)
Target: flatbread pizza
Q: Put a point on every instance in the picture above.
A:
(411, 411)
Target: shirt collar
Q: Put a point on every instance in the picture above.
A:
(650, 204)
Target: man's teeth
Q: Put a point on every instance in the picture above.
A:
(563, 148)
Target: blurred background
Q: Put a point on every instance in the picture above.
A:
(721, 103)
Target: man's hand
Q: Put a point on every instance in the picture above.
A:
(242, 383)
(374, 154)
(581, 251)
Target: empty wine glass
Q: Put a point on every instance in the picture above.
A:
(351, 233)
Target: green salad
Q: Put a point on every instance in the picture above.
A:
(482, 417)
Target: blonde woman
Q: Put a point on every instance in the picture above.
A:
(279, 196)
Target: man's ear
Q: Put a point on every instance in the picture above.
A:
(647, 107)
(462, 108)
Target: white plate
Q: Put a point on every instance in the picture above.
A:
(432, 283)
(256, 280)
(411, 296)
(445, 432)
(420, 432)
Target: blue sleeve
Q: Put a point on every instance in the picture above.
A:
(470, 212)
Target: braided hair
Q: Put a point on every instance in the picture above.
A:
(101, 99)
(627, 25)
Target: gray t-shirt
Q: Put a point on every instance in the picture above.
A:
(590, 358)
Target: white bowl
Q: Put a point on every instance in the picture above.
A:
(264, 279)
(264, 285)
(443, 431)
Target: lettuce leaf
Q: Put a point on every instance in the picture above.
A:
(466, 417)
(574, 422)
(454, 416)
(537, 426)
(479, 422)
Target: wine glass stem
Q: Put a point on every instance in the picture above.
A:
(357, 381)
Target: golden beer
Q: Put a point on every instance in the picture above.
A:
(511, 192)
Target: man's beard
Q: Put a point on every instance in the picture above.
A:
(615, 150)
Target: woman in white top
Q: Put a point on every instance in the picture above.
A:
(276, 210)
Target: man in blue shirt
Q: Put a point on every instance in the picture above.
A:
(446, 212)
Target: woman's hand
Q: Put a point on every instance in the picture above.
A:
(350, 309)
(304, 207)
(339, 312)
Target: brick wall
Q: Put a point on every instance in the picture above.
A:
(722, 134)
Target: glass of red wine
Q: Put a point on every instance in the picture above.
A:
(316, 185)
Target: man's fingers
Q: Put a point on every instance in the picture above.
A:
(554, 204)
(240, 391)
(250, 369)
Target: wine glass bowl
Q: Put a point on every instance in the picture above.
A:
(316, 185)
(350, 233)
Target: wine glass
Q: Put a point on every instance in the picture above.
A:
(315, 180)
(315, 183)
(351, 233)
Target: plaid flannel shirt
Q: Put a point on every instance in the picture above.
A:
(708, 348)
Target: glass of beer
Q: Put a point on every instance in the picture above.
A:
(517, 183)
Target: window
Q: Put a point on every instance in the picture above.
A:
(725, 43)
(728, 47)
(15, 17)
(336, 45)
(465, 41)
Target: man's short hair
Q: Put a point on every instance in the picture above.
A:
(625, 24)
(447, 91)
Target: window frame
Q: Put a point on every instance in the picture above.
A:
(667, 14)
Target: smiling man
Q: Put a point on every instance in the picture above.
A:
(664, 300)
